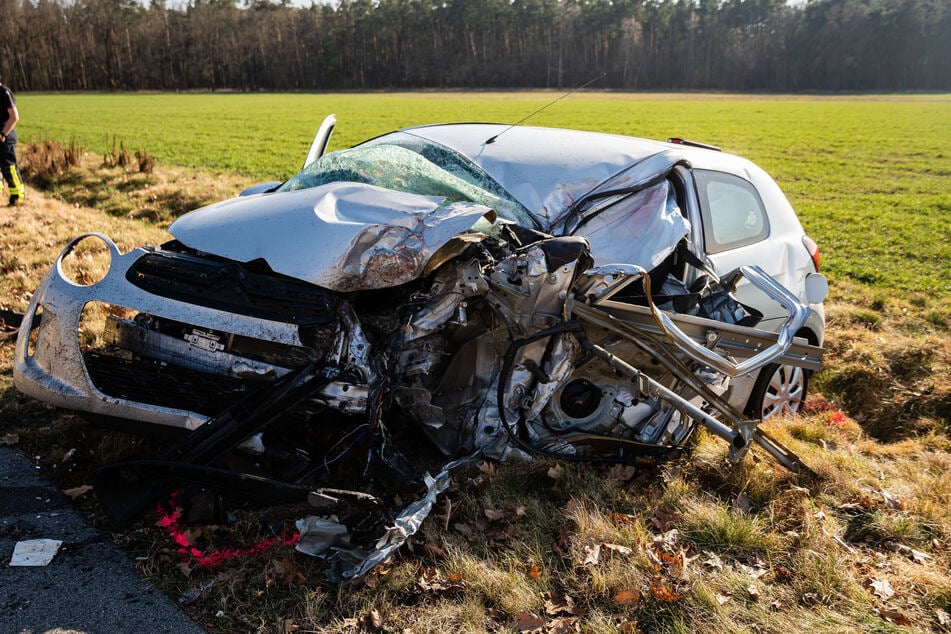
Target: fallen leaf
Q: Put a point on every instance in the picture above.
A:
(562, 625)
(288, 570)
(664, 519)
(556, 472)
(920, 557)
(193, 594)
(592, 554)
(434, 552)
(433, 580)
(487, 469)
(782, 574)
(753, 591)
(289, 626)
(882, 589)
(622, 519)
(562, 543)
(627, 597)
(562, 607)
(617, 548)
(895, 617)
(78, 491)
(534, 572)
(493, 515)
(621, 473)
(754, 573)
(712, 561)
(723, 599)
(944, 619)
(892, 503)
(775, 605)
(663, 592)
(373, 620)
(742, 502)
(667, 541)
(628, 627)
(528, 622)
(467, 531)
(673, 473)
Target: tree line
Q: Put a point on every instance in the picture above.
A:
(745, 45)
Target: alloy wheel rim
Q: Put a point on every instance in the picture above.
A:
(784, 393)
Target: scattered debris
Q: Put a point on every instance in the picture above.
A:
(318, 535)
(35, 552)
(194, 593)
(77, 492)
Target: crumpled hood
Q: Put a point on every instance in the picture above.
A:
(341, 236)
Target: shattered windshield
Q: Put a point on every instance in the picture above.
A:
(405, 163)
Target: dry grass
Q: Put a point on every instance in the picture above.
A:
(695, 544)
(889, 361)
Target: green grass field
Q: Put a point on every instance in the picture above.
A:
(869, 176)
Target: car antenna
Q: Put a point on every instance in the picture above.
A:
(526, 118)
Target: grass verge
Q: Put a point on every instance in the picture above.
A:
(693, 544)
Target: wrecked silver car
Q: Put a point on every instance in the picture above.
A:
(499, 291)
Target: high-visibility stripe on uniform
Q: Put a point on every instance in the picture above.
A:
(11, 174)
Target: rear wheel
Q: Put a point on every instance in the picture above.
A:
(779, 389)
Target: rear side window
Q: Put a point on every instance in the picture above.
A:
(732, 211)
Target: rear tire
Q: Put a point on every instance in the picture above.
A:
(779, 389)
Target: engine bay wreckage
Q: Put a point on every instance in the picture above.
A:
(309, 337)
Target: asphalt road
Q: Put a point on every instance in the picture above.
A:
(90, 586)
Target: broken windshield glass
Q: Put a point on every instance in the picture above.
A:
(422, 168)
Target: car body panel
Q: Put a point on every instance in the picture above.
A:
(340, 236)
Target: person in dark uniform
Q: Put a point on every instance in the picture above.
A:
(9, 117)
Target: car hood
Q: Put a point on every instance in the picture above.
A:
(341, 236)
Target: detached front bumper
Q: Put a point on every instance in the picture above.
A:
(49, 360)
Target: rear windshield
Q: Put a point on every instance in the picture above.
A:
(405, 163)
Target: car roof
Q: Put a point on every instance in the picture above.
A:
(546, 169)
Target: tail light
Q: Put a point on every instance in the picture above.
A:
(813, 250)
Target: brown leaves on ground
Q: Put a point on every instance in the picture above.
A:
(495, 527)
(437, 582)
(881, 588)
(664, 519)
(287, 572)
(561, 616)
(372, 621)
